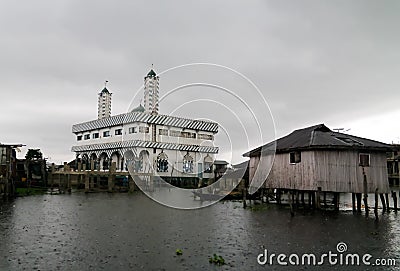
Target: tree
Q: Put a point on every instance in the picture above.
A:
(34, 154)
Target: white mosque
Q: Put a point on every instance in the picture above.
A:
(168, 146)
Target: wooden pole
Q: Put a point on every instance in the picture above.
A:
(387, 201)
(244, 192)
(365, 193)
(111, 175)
(383, 202)
(337, 202)
(302, 199)
(87, 183)
(278, 196)
(358, 197)
(376, 204)
(353, 201)
(394, 195)
(290, 193)
(318, 200)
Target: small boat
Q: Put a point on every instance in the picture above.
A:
(207, 197)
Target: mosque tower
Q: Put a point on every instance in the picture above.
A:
(104, 104)
(151, 92)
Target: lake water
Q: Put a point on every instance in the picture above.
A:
(131, 232)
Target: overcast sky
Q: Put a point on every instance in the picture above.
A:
(335, 62)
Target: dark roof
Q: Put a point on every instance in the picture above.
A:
(105, 90)
(151, 73)
(220, 162)
(321, 137)
(139, 108)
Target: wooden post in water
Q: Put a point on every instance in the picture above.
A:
(336, 199)
(324, 199)
(290, 198)
(313, 199)
(86, 180)
(111, 176)
(353, 201)
(387, 201)
(79, 176)
(293, 197)
(302, 199)
(278, 196)
(318, 201)
(52, 178)
(244, 192)
(383, 202)
(394, 196)
(365, 193)
(358, 197)
(89, 177)
(376, 204)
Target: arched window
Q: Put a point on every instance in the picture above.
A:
(162, 162)
(187, 163)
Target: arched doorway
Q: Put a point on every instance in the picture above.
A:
(144, 164)
(104, 161)
(116, 157)
(93, 157)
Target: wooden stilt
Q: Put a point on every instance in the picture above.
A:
(290, 198)
(318, 198)
(383, 202)
(387, 201)
(278, 196)
(394, 196)
(297, 199)
(365, 194)
(309, 199)
(244, 192)
(87, 187)
(376, 204)
(325, 199)
(353, 201)
(313, 199)
(292, 195)
(302, 199)
(358, 197)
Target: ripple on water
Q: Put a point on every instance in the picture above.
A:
(121, 231)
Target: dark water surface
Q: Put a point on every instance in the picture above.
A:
(131, 232)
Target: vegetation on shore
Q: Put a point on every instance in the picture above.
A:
(23, 191)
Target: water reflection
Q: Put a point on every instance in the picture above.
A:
(130, 231)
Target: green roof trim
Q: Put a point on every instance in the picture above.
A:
(140, 108)
(151, 73)
(105, 90)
